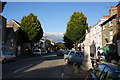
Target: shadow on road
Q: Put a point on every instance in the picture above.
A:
(11, 70)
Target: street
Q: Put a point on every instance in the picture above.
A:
(44, 66)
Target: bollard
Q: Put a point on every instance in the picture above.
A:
(74, 64)
(76, 69)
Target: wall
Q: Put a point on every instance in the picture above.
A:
(107, 31)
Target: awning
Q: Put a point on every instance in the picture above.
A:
(103, 47)
(107, 44)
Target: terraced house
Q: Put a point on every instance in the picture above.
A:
(109, 35)
(96, 36)
(118, 28)
(109, 28)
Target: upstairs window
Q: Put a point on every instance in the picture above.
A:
(104, 27)
(110, 23)
(111, 35)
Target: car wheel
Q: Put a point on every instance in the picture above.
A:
(4, 61)
(66, 61)
(14, 59)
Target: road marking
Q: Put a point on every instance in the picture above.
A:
(22, 68)
(62, 75)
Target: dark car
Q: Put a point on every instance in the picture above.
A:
(104, 71)
(60, 53)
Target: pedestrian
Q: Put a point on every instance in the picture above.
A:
(98, 55)
(92, 63)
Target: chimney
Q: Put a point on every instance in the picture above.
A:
(106, 16)
(113, 11)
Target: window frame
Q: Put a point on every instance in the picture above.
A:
(105, 77)
(110, 23)
(111, 36)
(104, 27)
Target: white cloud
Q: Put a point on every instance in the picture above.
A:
(57, 37)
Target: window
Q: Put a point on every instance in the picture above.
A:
(111, 35)
(104, 27)
(67, 52)
(72, 53)
(110, 23)
(98, 70)
(107, 74)
(78, 54)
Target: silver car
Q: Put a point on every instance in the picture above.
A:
(6, 56)
(37, 52)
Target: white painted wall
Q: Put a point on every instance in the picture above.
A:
(96, 34)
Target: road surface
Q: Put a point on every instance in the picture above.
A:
(44, 66)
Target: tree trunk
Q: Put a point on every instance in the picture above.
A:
(76, 45)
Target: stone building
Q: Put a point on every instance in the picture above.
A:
(118, 28)
(15, 26)
(11, 41)
(109, 28)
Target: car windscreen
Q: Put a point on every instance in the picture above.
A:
(67, 52)
(117, 71)
(78, 54)
(36, 51)
(118, 75)
(82, 53)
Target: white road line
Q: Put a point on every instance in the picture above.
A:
(22, 68)
(62, 75)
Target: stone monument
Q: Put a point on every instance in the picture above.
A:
(86, 65)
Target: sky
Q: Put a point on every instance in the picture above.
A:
(54, 16)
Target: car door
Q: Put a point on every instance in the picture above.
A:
(66, 54)
(78, 58)
(71, 56)
(10, 55)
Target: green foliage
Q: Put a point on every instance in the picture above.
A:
(60, 45)
(68, 42)
(31, 28)
(76, 28)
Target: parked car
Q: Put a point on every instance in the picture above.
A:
(6, 56)
(72, 56)
(50, 51)
(104, 71)
(44, 52)
(61, 53)
(37, 52)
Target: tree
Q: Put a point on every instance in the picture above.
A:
(32, 28)
(60, 45)
(68, 42)
(76, 28)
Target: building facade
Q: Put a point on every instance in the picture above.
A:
(11, 41)
(15, 26)
(118, 28)
(96, 36)
(109, 28)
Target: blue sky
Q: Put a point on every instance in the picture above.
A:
(55, 15)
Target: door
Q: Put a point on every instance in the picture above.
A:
(71, 56)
